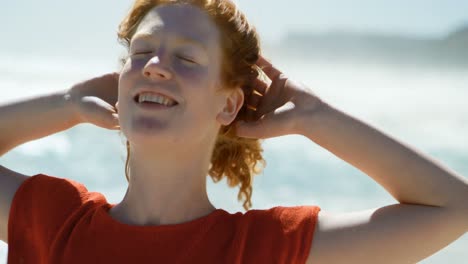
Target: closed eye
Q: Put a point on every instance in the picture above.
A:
(186, 59)
(142, 52)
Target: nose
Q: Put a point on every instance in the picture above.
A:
(155, 70)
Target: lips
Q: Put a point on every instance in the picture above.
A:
(154, 106)
(152, 98)
(156, 92)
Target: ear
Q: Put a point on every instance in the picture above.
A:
(233, 103)
(117, 106)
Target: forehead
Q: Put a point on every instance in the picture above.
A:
(182, 20)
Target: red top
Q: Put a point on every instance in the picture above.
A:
(54, 220)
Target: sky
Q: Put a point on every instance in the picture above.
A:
(409, 17)
(81, 26)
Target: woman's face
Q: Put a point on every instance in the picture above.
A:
(175, 54)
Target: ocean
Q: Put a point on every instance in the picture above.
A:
(424, 107)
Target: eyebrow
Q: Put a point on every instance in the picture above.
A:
(179, 39)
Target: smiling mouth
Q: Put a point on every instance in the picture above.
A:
(152, 99)
(152, 106)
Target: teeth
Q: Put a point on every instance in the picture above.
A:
(150, 97)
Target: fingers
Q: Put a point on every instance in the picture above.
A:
(115, 125)
(257, 93)
(107, 88)
(104, 87)
(271, 71)
(253, 99)
(99, 113)
(266, 98)
(110, 121)
(272, 99)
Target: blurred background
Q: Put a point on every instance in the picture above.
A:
(401, 66)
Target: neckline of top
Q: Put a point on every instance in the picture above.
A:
(104, 210)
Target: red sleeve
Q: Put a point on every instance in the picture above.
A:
(279, 235)
(40, 206)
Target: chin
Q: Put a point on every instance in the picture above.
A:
(161, 133)
(151, 131)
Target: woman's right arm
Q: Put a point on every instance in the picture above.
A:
(91, 101)
(22, 121)
(34, 118)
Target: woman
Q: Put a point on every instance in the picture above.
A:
(191, 102)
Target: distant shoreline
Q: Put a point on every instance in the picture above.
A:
(451, 51)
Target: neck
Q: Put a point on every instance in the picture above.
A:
(167, 187)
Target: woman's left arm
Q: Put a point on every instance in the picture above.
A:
(408, 175)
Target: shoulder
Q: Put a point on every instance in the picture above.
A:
(44, 180)
(285, 232)
(285, 216)
(40, 208)
(50, 201)
(51, 188)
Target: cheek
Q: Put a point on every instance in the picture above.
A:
(124, 73)
(202, 102)
(197, 75)
(201, 81)
(131, 70)
(133, 66)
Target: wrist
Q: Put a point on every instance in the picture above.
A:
(71, 100)
(308, 118)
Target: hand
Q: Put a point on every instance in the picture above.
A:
(95, 99)
(277, 109)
